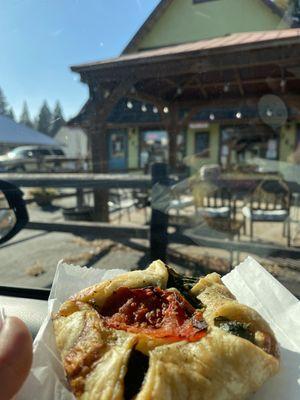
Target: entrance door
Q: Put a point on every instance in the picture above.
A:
(117, 150)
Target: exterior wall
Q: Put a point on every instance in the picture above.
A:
(74, 141)
(133, 148)
(286, 145)
(287, 141)
(184, 21)
(190, 159)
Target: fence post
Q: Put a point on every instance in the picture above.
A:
(80, 198)
(159, 218)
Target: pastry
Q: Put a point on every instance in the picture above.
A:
(152, 334)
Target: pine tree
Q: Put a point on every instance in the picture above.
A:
(44, 119)
(3, 103)
(25, 117)
(11, 114)
(291, 9)
(57, 119)
(295, 13)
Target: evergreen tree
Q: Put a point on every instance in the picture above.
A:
(3, 103)
(11, 114)
(25, 117)
(44, 119)
(295, 13)
(291, 9)
(57, 119)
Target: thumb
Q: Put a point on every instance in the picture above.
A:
(15, 356)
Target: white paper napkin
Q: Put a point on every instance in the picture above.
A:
(249, 282)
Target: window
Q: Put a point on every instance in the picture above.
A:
(44, 152)
(154, 147)
(58, 152)
(202, 144)
(241, 144)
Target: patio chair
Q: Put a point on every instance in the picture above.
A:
(270, 202)
(142, 198)
(180, 200)
(122, 201)
(217, 207)
(215, 217)
(211, 201)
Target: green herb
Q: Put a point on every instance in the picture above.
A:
(235, 328)
(184, 284)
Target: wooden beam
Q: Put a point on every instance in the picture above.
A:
(260, 249)
(102, 107)
(196, 85)
(106, 106)
(158, 101)
(172, 65)
(79, 180)
(98, 145)
(291, 99)
(101, 230)
(200, 85)
(149, 125)
(239, 82)
(173, 129)
(203, 91)
(187, 118)
(245, 82)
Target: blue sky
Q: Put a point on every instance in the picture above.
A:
(40, 39)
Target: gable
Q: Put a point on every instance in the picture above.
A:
(182, 21)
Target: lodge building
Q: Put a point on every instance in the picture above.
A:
(197, 84)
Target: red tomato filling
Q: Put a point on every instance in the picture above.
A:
(155, 312)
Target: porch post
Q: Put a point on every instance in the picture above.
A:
(101, 108)
(173, 129)
(172, 133)
(97, 136)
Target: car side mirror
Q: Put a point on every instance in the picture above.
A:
(13, 212)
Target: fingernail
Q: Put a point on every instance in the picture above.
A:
(2, 317)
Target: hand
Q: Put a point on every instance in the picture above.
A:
(15, 356)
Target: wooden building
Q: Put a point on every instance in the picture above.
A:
(194, 86)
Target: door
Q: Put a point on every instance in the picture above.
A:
(117, 150)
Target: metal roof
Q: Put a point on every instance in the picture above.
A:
(14, 133)
(232, 42)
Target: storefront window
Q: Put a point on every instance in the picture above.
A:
(242, 144)
(154, 147)
(202, 144)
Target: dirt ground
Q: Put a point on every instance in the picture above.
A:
(31, 257)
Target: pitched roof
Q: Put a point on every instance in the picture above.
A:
(147, 25)
(19, 134)
(233, 42)
(161, 8)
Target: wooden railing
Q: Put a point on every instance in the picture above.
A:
(46, 163)
(156, 231)
(79, 180)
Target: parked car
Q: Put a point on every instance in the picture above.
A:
(16, 159)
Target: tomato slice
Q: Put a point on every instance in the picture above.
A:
(155, 312)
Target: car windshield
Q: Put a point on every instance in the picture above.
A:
(152, 129)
